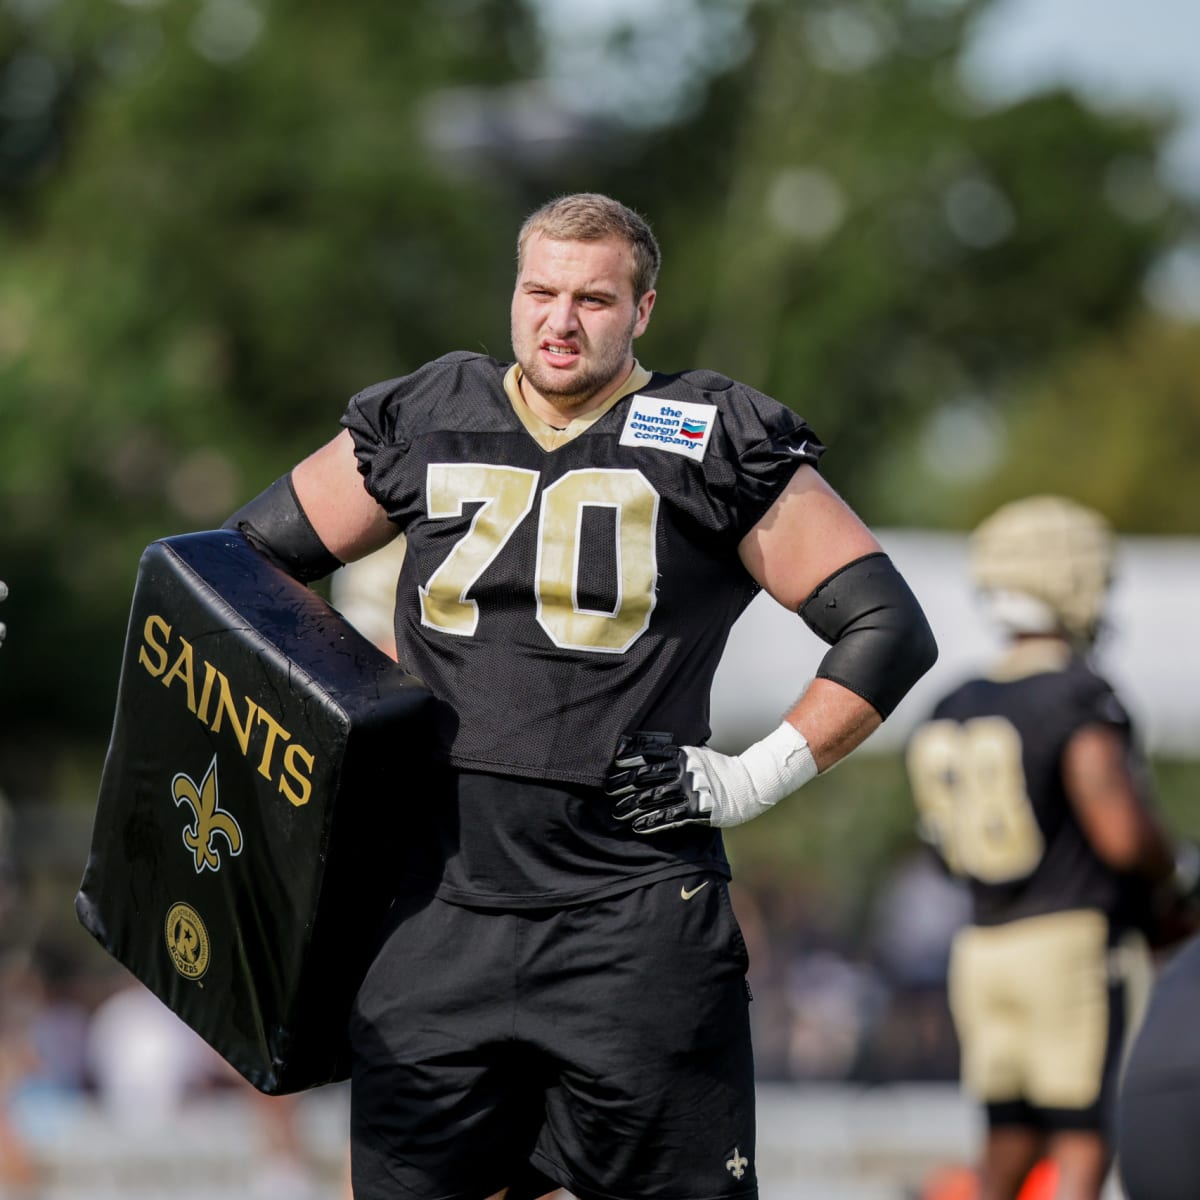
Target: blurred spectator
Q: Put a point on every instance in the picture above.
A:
(815, 999)
(148, 1066)
(146, 1062)
(60, 1027)
(834, 1002)
(915, 915)
(18, 1059)
(283, 1170)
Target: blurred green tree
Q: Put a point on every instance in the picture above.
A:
(896, 261)
(219, 218)
(1117, 425)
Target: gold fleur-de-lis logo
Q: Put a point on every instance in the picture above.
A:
(211, 819)
(736, 1165)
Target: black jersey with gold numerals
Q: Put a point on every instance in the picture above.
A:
(562, 588)
(986, 774)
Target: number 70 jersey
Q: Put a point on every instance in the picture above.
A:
(560, 588)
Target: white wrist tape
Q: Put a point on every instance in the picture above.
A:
(733, 790)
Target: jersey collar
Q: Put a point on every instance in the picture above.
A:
(546, 435)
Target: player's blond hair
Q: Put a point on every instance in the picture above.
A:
(590, 217)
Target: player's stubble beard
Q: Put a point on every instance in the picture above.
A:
(568, 394)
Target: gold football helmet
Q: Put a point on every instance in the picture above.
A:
(1045, 563)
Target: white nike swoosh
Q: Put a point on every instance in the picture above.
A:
(684, 894)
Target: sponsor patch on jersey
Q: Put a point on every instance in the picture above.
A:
(677, 426)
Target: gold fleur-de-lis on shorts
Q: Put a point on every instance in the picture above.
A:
(736, 1165)
(211, 818)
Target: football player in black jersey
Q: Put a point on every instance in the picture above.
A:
(560, 996)
(1028, 783)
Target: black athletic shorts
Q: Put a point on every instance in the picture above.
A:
(606, 1045)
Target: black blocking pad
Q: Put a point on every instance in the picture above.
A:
(244, 848)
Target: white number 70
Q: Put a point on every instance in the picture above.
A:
(505, 497)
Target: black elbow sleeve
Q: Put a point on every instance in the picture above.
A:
(277, 527)
(880, 641)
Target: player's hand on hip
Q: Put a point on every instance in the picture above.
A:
(651, 784)
(658, 785)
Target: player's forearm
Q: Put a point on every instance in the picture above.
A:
(880, 644)
(658, 785)
(1110, 803)
(833, 720)
(1153, 853)
(1133, 843)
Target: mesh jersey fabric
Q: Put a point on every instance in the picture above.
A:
(535, 659)
(544, 657)
(1046, 708)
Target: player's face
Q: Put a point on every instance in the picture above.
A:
(574, 318)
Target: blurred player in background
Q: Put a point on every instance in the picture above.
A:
(560, 999)
(1029, 785)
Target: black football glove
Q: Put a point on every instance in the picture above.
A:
(652, 786)
(659, 785)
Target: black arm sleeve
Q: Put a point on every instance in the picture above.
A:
(277, 527)
(880, 641)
